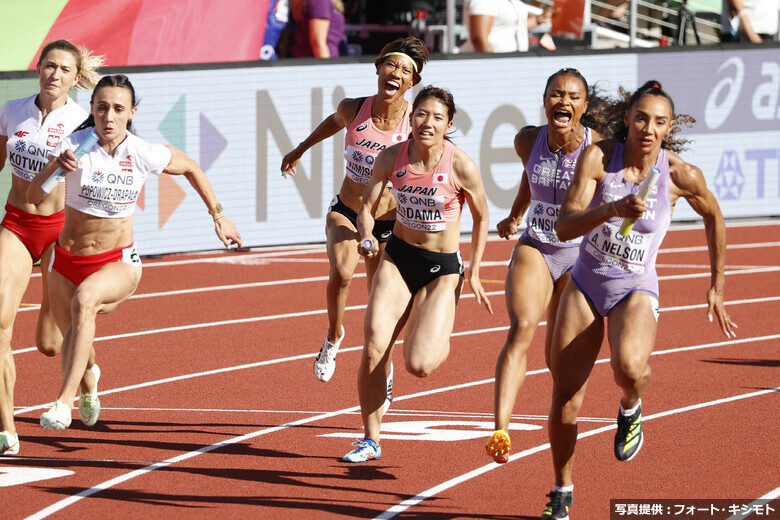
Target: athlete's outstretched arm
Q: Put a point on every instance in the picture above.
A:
(688, 182)
(469, 180)
(341, 118)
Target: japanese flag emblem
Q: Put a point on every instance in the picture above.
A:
(398, 138)
(440, 178)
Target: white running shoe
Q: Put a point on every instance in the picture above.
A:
(89, 404)
(10, 443)
(57, 418)
(325, 364)
(366, 450)
(389, 395)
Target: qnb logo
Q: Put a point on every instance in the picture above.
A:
(729, 179)
(436, 268)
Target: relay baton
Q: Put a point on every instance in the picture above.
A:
(50, 183)
(644, 191)
(368, 244)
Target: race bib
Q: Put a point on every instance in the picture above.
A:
(130, 255)
(360, 164)
(541, 221)
(629, 253)
(423, 212)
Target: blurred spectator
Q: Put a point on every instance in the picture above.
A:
(499, 25)
(319, 29)
(616, 14)
(749, 21)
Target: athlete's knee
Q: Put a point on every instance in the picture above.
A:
(630, 368)
(519, 336)
(420, 368)
(84, 304)
(49, 347)
(341, 276)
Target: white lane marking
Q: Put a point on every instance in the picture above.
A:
(760, 501)
(58, 506)
(406, 504)
(17, 475)
(361, 307)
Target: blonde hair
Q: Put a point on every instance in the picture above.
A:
(87, 63)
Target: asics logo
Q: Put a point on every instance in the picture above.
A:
(387, 234)
(435, 268)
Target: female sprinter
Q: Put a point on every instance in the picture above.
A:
(96, 264)
(420, 273)
(372, 123)
(614, 276)
(541, 263)
(30, 128)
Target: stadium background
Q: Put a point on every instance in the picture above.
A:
(238, 119)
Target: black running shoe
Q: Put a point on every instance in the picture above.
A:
(629, 438)
(558, 506)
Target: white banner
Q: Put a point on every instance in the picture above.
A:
(237, 123)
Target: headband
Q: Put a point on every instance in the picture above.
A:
(414, 63)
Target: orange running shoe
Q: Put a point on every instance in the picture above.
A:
(499, 446)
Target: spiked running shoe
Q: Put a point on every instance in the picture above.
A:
(629, 438)
(89, 404)
(57, 418)
(10, 443)
(325, 364)
(558, 506)
(389, 395)
(365, 450)
(499, 446)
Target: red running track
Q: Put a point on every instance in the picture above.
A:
(211, 408)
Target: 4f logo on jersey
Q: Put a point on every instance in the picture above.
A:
(401, 173)
(361, 127)
(20, 146)
(21, 133)
(97, 176)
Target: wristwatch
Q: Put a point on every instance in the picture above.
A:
(216, 209)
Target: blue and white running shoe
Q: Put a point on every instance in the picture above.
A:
(365, 450)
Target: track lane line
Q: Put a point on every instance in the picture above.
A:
(58, 506)
(360, 307)
(429, 493)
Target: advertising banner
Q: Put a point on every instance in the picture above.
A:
(238, 123)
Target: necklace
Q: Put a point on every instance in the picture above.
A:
(392, 116)
(578, 139)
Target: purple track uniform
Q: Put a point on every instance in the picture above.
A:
(549, 175)
(610, 267)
